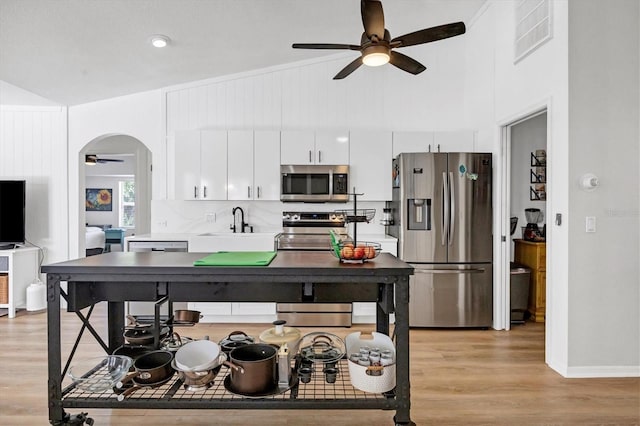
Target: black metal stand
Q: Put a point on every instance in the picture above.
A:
(158, 279)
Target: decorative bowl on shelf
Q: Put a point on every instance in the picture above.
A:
(362, 251)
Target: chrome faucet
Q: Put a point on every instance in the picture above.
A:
(243, 225)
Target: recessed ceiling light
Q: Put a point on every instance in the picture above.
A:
(159, 40)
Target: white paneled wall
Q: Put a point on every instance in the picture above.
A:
(32, 147)
(304, 95)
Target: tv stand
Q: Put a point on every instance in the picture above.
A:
(18, 268)
(7, 246)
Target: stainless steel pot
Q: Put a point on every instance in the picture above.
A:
(255, 369)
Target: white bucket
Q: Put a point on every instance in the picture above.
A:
(36, 297)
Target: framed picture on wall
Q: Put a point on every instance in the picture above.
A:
(99, 200)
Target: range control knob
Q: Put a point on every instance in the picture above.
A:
(286, 216)
(296, 217)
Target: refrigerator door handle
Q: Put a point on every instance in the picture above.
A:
(449, 271)
(452, 209)
(445, 206)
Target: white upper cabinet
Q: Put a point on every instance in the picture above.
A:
(449, 141)
(455, 141)
(321, 147)
(254, 165)
(297, 147)
(240, 161)
(332, 147)
(370, 168)
(200, 165)
(412, 142)
(266, 165)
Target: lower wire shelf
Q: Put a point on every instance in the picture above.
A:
(317, 393)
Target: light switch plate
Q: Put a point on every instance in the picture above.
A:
(590, 224)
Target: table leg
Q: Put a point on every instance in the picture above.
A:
(54, 384)
(403, 394)
(115, 313)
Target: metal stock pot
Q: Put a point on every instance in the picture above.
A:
(254, 369)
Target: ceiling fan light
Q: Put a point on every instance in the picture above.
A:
(159, 40)
(374, 56)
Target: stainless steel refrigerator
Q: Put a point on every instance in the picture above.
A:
(442, 217)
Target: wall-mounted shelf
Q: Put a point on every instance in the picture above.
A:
(538, 176)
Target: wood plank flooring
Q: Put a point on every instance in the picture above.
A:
(458, 377)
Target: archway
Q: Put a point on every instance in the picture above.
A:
(136, 165)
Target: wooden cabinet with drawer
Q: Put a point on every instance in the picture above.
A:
(534, 255)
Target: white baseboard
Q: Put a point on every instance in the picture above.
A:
(603, 371)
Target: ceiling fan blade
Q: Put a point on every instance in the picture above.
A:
(372, 18)
(429, 34)
(325, 46)
(406, 63)
(349, 69)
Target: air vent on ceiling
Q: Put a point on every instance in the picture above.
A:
(533, 26)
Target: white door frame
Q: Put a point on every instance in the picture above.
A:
(503, 293)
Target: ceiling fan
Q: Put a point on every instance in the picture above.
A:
(376, 45)
(93, 159)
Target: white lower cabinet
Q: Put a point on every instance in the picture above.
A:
(365, 312)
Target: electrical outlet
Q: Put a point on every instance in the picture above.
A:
(162, 224)
(210, 217)
(590, 225)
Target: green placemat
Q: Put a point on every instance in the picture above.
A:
(237, 258)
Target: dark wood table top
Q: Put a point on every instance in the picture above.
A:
(285, 263)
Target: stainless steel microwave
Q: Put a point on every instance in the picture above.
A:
(314, 183)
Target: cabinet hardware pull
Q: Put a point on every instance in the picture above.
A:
(319, 156)
(258, 192)
(248, 192)
(195, 192)
(204, 192)
(310, 157)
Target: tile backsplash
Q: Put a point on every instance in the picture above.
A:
(171, 216)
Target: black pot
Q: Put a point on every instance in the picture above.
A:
(133, 352)
(235, 339)
(255, 369)
(153, 367)
(143, 336)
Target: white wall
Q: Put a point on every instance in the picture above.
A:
(581, 311)
(138, 116)
(603, 290)
(33, 147)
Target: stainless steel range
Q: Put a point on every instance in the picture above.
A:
(310, 231)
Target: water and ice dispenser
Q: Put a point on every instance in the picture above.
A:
(419, 214)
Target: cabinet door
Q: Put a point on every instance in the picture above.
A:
(240, 163)
(187, 165)
(253, 308)
(297, 147)
(213, 164)
(412, 142)
(332, 147)
(266, 165)
(457, 141)
(370, 165)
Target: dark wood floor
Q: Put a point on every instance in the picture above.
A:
(458, 377)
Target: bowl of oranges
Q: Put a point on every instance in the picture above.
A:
(360, 252)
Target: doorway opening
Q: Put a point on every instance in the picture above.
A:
(524, 215)
(115, 192)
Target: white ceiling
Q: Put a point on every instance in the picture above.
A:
(78, 51)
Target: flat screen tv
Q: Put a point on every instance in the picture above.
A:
(12, 213)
